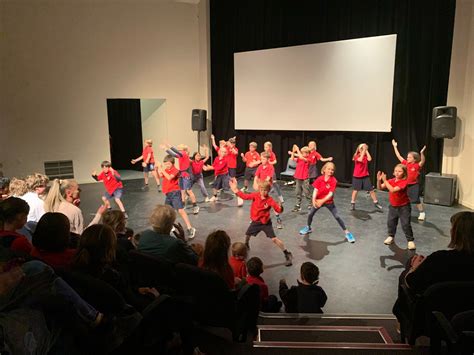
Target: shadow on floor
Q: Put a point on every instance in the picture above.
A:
(318, 249)
(399, 255)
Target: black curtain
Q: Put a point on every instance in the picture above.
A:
(125, 132)
(424, 31)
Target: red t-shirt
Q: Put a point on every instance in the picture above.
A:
(251, 157)
(19, 243)
(148, 150)
(239, 267)
(196, 167)
(302, 169)
(173, 183)
(361, 168)
(399, 198)
(184, 163)
(272, 158)
(110, 182)
(313, 158)
(260, 209)
(413, 171)
(221, 166)
(264, 171)
(232, 157)
(58, 260)
(257, 280)
(325, 187)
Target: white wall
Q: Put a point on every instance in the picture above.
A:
(458, 155)
(61, 60)
(155, 123)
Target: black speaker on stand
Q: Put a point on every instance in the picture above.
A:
(199, 123)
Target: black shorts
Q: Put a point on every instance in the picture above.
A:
(149, 168)
(414, 193)
(173, 199)
(232, 172)
(221, 182)
(362, 183)
(250, 173)
(257, 227)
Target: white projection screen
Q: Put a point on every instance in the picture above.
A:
(333, 86)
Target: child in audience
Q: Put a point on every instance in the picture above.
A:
(307, 296)
(113, 185)
(414, 162)
(4, 187)
(360, 178)
(17, 187)
(399, 207)
(170, 176)
(148, 163)
(262, 203)
(252, 161)
(237, 260)
(13, 215)
(216, 256)
(36, 184)
(301, 175)
(313, 158)
(268, 303)
(323, 195)
(197, 166)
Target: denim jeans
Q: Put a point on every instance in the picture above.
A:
(332, 208)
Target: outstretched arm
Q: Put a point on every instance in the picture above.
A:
(422, 156)
(133, 161)
(213, 140)
(397, 153)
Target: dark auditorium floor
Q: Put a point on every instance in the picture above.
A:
(358, 278)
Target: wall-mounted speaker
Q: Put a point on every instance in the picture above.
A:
(198, 122)
(444, 122)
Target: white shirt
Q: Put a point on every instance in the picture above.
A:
(36, 206)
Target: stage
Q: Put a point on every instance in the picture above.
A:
(358, 278)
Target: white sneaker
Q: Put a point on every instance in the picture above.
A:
(213, 199)
(207, 199)
(196, 209)
(281, 199)
(422, 216)
(240, 202)
(191, 233)
(388, 241)
(411, 245)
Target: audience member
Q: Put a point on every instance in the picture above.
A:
(216, 256)
(268, 303)
(13, 213)
(118, 222)
(4, 187)
(36, 184)
(17, 187)
(237, 260)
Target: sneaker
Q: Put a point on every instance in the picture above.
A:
(125, 214)
(422, 216)
(350, 238)
(411, 245)
(213, 199)
(305, 230)
(195, 209)
(159, 188)
(289, 258)
(207, 199)
(353, 206)
(145, 187)
(240, 202)
(191, 233)
(281, 199)
(378, 206)
(297, 208)
(309, 207)
(279, 223)
(388, 241)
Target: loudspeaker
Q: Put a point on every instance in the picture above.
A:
(440, 189)
(199, 120)
(444, 122)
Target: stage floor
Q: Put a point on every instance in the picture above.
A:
(358, 278)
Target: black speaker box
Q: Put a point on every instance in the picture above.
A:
(444, 122)
(199, 118)
(440, 189)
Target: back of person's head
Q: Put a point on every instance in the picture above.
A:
(18, 187)
(105, 164)
(162, 219)
(35, 181)
(255, 266)
(115, 219)
(168, 159)
(13, 210)
(265, 155)
(4, 183)
(462, 232)
(239, 249)
(216, 252)
(52, 232)
(97, 248)
(309, 272)
(57, 194)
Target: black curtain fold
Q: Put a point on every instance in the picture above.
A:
(424, 31)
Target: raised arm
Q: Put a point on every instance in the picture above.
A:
(422, 156)
(206, 149)
(380, 185)
(213, 140)
(395, 148)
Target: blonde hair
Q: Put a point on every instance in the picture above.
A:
(115, 219)
(404, 168)
(326, 165)
(305, 149)
(265, 185)
(36, 180)
(162, 219)
(416, 156)
(265, 155)
(268, 144)
(17, 187)
(358, 148)
(239, 249)
(148, 141)
(253, 144)
(57, 194)
(182, 147)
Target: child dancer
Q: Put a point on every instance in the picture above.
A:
(266, 172)
(323, 195)
(260, 215)
(414, 162)
(399, 207)
(301, 175)
(113, 185)
(197, 165)
(272, 160)
(171, 189)
(360, 178)
(252, 161)
(148, 163)
(314, 156)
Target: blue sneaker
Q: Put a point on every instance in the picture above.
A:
(305, 230)
(350, 238)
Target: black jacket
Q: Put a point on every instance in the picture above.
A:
(303, 298)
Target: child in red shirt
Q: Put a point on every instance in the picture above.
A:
(170, 176)
(148, 163)
(252, 161)
(260, 215)
(314, 156)
(113, 185)
(323, 195)
(414, 162)
(301, 176)
(360, 177)
(13, 216)
(237, 260)
(197, 166)
(272, 160)
(268, 303)
(399, 207)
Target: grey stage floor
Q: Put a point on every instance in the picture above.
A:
(358, 278)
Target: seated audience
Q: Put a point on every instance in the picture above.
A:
(158, 241)
(117, 221)
(36, 185)
(4, 187)
(307, 296)
(13, 213)
(17, 187)
(268, 303)
(216, 256)
(51, 241)
(237, 260)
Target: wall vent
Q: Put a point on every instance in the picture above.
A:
(60, 169)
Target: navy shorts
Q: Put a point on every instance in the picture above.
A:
(257, 227)
(221, 182)
(185, 183)
(116, 194)
(250, 173)
(232, 172)
(174, 200)
(149, 168)
(414, 193)
(362, 183)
